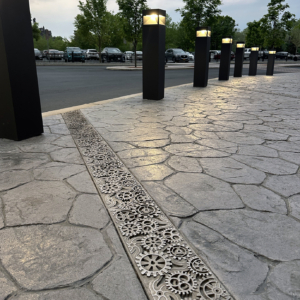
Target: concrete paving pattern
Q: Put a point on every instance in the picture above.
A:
(221, 162)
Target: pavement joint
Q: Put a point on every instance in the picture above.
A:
(131, 208)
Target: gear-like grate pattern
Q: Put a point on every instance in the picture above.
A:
(168, 267)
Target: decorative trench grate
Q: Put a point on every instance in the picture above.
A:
(168, 268)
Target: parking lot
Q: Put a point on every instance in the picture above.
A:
(66, 86)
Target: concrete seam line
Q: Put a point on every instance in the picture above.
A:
(166, 263)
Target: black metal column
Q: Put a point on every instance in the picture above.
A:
(271, 63)
(154, 37)
(253, 63)
(20, 108)
(239, 59)
(224, 70)
(202, 46)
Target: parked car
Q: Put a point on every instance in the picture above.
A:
(190, 56)
(128, 55)
(74, 53)
(247, 53)
(54, 54)
(176, 55)
(232, 55)
(217, 54)
(212, 53)
(44, 53)
(38, 54)
(282, 55)
(296, 57)
(139, 55)
(109, 54)
(83, 51)
(92, 54)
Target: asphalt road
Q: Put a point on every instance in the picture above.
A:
(63, 86)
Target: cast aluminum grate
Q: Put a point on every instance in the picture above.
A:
(168, 268)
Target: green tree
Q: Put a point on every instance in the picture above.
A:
(36, 32)
(93, 19)
(131, 12)
(195, 13)
(240, 36)
(171, 33)
(222, 26)
(295, 37)
(276, 23)
(255, 35)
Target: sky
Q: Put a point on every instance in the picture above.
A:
(58, 16)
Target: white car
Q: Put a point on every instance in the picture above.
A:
(128, 55)
(190, 56)
(91, 54)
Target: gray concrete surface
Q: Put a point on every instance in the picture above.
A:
(222, 162)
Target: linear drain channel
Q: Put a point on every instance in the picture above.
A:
(168, 268)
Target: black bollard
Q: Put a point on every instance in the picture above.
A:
(154, 36)
(253, 61)
(224, 70)
(202, 45)
(239, 59)
(271, 63)
(20, 108)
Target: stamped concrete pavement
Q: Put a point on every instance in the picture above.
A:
(223, 163)
(57, 241)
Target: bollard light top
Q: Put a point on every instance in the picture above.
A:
(240, 44)
(203, 32)
(272, 52)
(254, 48)
(154, 17)
(227, 40)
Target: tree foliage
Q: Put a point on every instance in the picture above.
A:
(195, 13)
(58, 43)
(255, 35)
(93, 19)
(222, 26)
(131, 11)
(36, 32)
(276, 23)
(295, 36)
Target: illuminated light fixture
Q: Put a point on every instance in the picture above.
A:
(239, 59)
(254, 48)
(227, 41)
(154, 33)
(203, 33)
(202, 46)
(154, 20)
(272, 52)
(240, 45)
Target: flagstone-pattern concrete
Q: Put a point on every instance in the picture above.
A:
(222, 162)
(56, 237)
(226, 172)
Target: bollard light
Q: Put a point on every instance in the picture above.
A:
(154, 36)
(253, 61)
(239, 59)
(224, 69)
(240, 45)
(202, 45)
(20, 107)
(271, 63)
